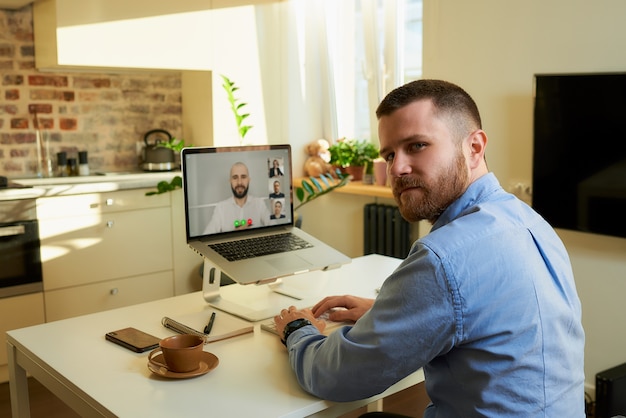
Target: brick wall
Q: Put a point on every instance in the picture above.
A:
(106, 115)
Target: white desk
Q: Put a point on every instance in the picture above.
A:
(253, 378)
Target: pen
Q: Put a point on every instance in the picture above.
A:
(207, 329)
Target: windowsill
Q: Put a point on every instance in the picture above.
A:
(358, 188)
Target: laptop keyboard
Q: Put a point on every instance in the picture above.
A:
(255, 247)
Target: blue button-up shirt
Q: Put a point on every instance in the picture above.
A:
(485, 303)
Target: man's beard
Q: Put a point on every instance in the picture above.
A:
(239, 195)
(449, 186)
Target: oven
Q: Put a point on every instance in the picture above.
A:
(20, 258)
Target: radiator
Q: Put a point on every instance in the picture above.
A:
(385, 231)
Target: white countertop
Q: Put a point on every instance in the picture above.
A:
(62, 186)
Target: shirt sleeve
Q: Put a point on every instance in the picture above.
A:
(414, 319)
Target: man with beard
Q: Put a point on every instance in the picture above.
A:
(277, 194)
(485, 303)
(241, 211)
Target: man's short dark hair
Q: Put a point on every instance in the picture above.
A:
(447, 98)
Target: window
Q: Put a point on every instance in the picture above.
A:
(378, 46)
(341, 58)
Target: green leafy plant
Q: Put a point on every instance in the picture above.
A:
(236, 106)
(177, 182)
(174, 144)
(352, 153)
(314, 187)
(167, 186)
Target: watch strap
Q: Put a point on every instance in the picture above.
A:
(292, 326)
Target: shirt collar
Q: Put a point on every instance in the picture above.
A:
(477, 192)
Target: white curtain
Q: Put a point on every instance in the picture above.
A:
(383, 34)
(327, 64)
(310, 64)
(327, 49)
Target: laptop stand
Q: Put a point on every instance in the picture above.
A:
(251, 302)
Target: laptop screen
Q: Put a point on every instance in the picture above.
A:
(235, 189)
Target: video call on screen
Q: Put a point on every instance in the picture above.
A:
(208, 183)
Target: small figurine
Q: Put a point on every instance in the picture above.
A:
(319, 157)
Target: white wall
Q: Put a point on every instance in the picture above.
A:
(492, 48)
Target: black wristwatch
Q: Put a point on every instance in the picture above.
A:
(292, 326)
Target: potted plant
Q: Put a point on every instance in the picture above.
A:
(354, 156)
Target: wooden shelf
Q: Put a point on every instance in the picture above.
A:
(358, 188)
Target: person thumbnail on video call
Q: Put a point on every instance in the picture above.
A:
(275, 190)
(278, 210)
(276, 170)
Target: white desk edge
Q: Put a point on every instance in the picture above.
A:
(66, 355)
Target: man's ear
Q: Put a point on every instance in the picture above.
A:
(477, 142)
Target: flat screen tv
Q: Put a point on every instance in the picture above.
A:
(579, 155)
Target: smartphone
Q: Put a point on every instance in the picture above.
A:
(133, 339)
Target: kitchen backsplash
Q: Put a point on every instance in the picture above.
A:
(106, 115)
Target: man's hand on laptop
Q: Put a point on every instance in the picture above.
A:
(291, 314)
(345, 308)
(342, 308)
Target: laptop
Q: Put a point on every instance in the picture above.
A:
(237, 195)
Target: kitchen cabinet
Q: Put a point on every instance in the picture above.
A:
(104, 250)
(116, 29)
(111, 294)
(17, 312)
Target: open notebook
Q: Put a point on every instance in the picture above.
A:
(220, 227)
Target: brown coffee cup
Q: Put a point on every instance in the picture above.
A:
(181, 353)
